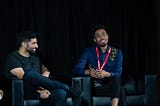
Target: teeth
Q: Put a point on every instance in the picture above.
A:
(102, 41)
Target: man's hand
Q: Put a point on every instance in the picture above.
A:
(102, 74)
(45, 72)
(44, 93)
(93, 73)
(97, 73)
(1, 92)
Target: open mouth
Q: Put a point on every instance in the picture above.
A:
(103, 41)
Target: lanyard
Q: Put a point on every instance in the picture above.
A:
(106, 58)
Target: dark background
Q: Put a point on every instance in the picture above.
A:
(64, 25)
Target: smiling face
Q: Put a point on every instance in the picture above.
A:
(101, 37)
(31, 46)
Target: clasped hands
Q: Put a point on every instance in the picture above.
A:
(44, 93)
(98, 73)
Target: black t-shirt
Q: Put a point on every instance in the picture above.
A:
(32, 63)
(15, 60)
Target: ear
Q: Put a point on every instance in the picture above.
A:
(23, 44)
(94, 39)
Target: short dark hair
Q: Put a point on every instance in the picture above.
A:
(96, 27)
(25, 36)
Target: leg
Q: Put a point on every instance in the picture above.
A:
(116, 88)
(58, 97)
(36, 79)
(114, 102)
(45, 102)
(76, 98)
(122, 101)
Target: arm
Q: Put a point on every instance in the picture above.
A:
(97, 73)
(91, 72)
(118, 66)
(116, 63)
(79, 69)
(13, 67)
(44, 93)
(18, 72)
(45, 72)
(86, 58)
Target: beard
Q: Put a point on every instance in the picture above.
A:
(102, 44)
(31, 51)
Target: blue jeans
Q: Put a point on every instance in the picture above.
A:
(58, 90)
(58, 97)
(36, 79)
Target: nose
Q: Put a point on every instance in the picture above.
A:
(102, 37)
(36, 45)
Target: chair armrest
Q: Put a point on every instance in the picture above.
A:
(151, 90)
(77, 83)
(83, 84)
(17, 93)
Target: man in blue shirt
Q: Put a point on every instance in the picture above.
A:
(103, 63)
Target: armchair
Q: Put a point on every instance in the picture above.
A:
(139, 92)
(18, 94)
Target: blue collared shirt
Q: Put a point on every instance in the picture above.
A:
(113, 65)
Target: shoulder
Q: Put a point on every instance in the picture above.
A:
(90, 49)
(12, 54)
(116, 51)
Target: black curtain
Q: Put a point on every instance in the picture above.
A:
(64, 25)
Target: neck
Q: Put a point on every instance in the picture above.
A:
(23, 52)
(104, 48)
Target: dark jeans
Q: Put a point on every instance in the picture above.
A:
(58, 90)
(122, 100)
(36, 79)
(57, 98)
(111, 87)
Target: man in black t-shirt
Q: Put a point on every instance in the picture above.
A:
(24, 64)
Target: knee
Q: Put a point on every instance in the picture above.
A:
(62, 92)
(59, 93)
(123, 92)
